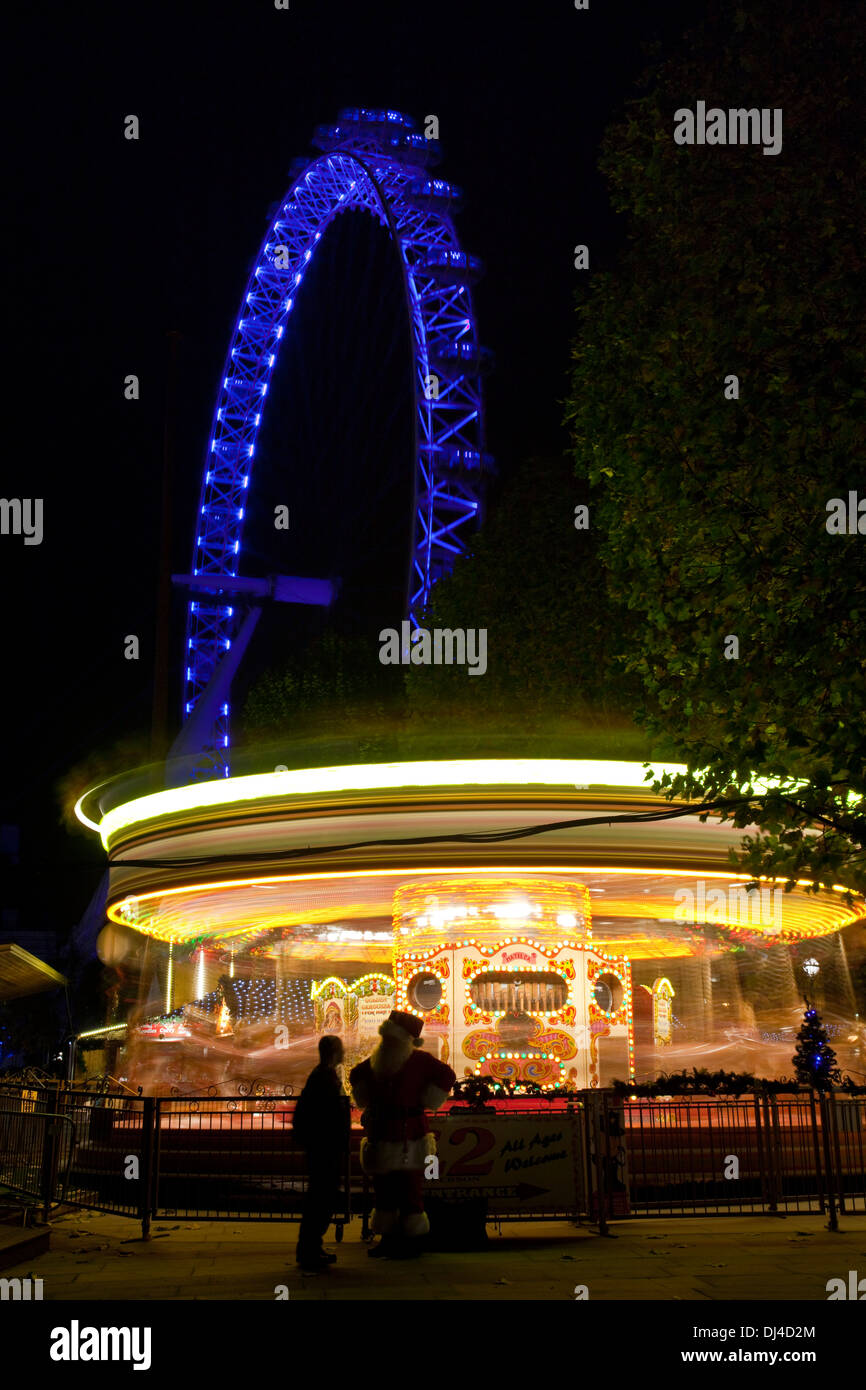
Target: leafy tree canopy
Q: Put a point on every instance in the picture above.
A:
(712, 511)
(333, 688)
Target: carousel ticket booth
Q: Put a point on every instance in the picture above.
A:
(504, 974)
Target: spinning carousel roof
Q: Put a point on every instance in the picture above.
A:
(310, 860)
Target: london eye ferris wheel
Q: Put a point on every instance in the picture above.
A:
(375, 163)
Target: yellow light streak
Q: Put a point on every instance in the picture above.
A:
(575, 773)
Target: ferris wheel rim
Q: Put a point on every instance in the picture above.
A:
(448, 419)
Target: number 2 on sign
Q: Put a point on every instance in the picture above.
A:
(467, 1166)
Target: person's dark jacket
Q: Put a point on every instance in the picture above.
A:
(321, 1120)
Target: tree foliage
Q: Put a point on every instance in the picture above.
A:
(814, 1059)
(713, 511)
(334, 684)
(98, 767)
(533, 581)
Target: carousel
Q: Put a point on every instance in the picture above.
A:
(249, 915)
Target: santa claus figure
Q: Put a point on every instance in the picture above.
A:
(393, 1088)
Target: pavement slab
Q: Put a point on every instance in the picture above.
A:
(671, 1258)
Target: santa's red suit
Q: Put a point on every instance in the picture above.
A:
(393, 1088)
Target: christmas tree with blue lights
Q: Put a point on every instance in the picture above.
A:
(814, 1060)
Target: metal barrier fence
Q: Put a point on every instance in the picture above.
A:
(147, 1157)
(65, 1147)
(36, 1148)
(227, 1159)
(233, 1160)
(719, 1156)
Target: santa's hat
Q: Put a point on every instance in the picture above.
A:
(400, 1025)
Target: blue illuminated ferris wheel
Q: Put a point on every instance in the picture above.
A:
(374, 162)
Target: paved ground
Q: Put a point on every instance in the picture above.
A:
(95, 1256)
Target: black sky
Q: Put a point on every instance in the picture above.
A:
(115, 243)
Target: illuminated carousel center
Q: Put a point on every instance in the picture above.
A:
(505, 976)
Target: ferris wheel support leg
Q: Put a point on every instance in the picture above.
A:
(193, 735)
(279, 588)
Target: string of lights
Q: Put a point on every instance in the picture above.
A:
(257, 999)
(479, 837)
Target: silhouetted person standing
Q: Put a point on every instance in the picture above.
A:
(321, 1123)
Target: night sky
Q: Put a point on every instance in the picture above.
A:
(116, 243)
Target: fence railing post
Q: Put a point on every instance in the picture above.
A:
(149, 1162)
(598, 1160)
(816, 1150)
(347, 1166)
(758, 1108)
(573, 1120)
(825, 1104)
(772, 1143)
(835, 1104)
(49, 1164)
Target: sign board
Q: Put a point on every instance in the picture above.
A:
(334, 1016)
(663, 1024)
(517, 1162)
(170, 1030)
(373, 1009)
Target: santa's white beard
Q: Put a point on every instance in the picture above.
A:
(391, 1055)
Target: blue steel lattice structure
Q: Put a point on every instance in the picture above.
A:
(376, 162)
